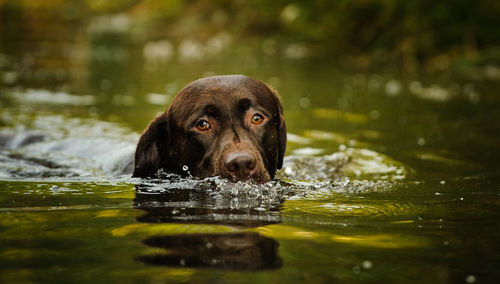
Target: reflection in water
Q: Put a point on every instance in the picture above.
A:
(198, 206)
(235, 251)
(232, 251)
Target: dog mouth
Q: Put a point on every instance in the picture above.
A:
(258, 174)
(258, 177)
(235, 167)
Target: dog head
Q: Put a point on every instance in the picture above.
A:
(230, 126)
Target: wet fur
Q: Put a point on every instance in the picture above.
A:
(170, 141)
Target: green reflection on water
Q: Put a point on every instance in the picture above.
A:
(438, 223)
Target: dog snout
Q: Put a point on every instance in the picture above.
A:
(240, 165)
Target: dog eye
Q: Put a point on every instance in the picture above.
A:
(257, 119)
(203, 125)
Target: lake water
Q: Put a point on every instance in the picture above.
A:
(388, 177)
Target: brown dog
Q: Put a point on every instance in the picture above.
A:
(230, 126)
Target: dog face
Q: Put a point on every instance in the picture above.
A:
(230, 126)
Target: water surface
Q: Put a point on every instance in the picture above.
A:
(388, 177)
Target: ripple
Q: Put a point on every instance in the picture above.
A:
(91, 150)
(351, 162)
(347, 209)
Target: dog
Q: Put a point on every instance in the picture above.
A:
(230, 126)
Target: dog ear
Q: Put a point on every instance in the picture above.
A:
(281, 130)
(151, 147)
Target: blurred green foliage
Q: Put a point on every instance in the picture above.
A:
(360, 32)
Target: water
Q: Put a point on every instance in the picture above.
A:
(388, 177)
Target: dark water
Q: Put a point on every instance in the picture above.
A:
(389, 177)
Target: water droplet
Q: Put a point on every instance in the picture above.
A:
(421, 141)
(304, 102)
(55, 189)
(356, 269)
(470, 279)
(437, 193)
(442, 182)
(367, 264)
(393, 88)
(185, 168)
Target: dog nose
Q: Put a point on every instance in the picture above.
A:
(240, 164)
